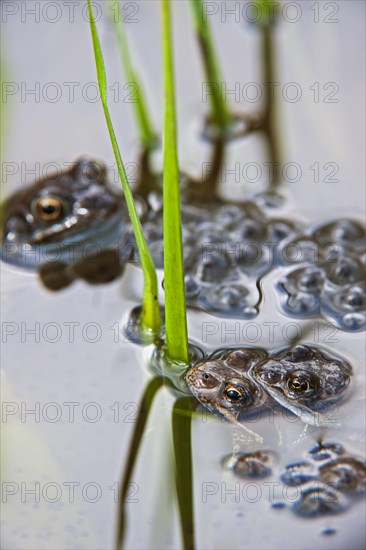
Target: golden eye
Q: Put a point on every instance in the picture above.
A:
(48, 208)
(303, 383)
(233, 393)
(298, 385)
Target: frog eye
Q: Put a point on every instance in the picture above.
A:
(48, 208)
(301, 383)
(234, 393)
(297, 385)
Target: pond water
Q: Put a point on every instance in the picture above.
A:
(64, 356)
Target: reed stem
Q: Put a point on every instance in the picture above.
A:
(175, 301)
(150, 317)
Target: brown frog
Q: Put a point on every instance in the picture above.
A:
(63, 223)
(304, 380)
(223, 384)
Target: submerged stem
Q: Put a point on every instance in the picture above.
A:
(150, 318)
(175, 301)
(181, 426)
(139, 429)
(145, 126)
(220, 113)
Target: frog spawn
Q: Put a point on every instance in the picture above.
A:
(331, 282)
(227, 249)
(302, 379)
(327, 488)
(313, 489)
(255, 465)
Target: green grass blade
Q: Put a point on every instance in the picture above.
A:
(150, 307)
(181, 427)
(220, 113)
(145, 126)
(175, 301)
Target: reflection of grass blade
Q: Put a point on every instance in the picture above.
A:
(145, 405)
(150, 311)
(147, 134)
(220, 114)
(175, 301)
(182, 421)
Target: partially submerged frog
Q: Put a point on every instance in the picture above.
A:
(222, 383)
(302, 379)
(65, 219)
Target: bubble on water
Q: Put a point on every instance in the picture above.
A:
(298, 473)
(318, 501)
(325, 451)
(345, 474)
